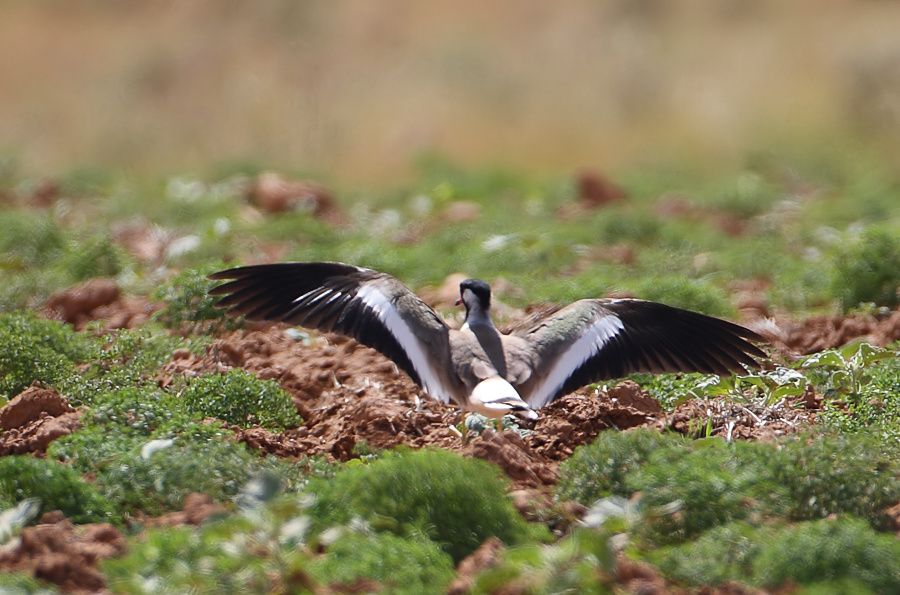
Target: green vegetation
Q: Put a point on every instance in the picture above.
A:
(824, 554)
(457, 502)
(188, 305)
(689, 488)
(57, 486)
(153, 473)
(868, 270)
(851, 473)
(579, 563)
(37, 350)
(240, 398)
(399, 565)
(600, 469)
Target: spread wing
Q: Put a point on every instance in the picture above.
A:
(372, 307)
(592, 340)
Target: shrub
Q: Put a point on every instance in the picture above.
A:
(581, 562)
(721, 554)
(184, 560)
(32, 239)
(127, 359)
(59, 488)
(869, 270)
(712, 484)
(241, 398)
(846, 549)
(400, 565)
(35, 349)
(200, 458)
(160, 482)
(457, 502)
(93, 448)
(139, 410)
(827, 474)
(188, 304)
(599, 469)
(95, 256)
(832, 556)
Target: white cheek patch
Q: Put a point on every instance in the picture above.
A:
(585, 347)
(399, 328)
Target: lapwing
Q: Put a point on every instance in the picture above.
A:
(478, 367)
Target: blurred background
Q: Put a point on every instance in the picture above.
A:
(356, 91)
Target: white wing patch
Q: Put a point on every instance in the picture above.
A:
(587, 346)
(399, 328)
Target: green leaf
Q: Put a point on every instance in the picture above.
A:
(825, 358)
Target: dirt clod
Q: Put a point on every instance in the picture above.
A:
(578, 418)
(33, 419)
(196, 509)
(509, 451)
(64, 554)
(488, 555)
(98, 299)
(273, 193)
(827, 332)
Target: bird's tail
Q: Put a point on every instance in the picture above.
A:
(495, 397)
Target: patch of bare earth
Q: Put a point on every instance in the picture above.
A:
(818, 333)
(352, 398)
(59, 552)
(33, 419)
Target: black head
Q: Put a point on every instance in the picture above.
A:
(478, 288)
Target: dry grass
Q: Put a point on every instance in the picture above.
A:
(357, 89)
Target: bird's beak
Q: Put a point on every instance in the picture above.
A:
(458, 302)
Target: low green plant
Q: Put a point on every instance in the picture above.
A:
(37, 350)
(188, 305)
(241, 398)
(219, 558)
(600, 469)
(400, 565)
(829, 550)
(126, 359)
(30, 239)
(711, 485)
(139, 410)
(95, 256)
(827, 555)
(722, 554)
(833, 473)
(581, 562)
(57, 486)
(875, 411)
(152, 473)
(457, 502)
(767, 386)
(848, 369)
(159, 482)
(669, 390)
(868, 270)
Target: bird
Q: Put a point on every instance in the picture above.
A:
(478, 367)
